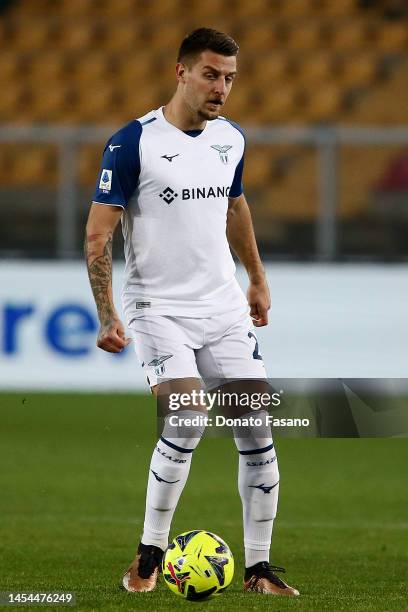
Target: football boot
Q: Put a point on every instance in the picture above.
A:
(261, 578)
(142, 574)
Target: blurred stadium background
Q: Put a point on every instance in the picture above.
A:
(80, 68)
(323, 94)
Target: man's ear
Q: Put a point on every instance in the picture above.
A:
(180, 72)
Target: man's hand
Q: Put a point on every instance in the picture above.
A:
(240, 234)
(259, 301)
(111, 337)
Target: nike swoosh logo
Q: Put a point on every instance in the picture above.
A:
(111, 147)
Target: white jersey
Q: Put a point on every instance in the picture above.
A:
(174, 188)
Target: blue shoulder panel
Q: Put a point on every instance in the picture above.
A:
(237, 187)
(235, 125)
(120, 168)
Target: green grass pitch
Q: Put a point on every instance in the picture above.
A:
(72, 485)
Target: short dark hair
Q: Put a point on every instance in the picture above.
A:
(204, 39)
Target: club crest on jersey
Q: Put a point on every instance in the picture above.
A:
(158, 364)
(223, 152)
(105, 184)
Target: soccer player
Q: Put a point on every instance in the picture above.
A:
(174, 178)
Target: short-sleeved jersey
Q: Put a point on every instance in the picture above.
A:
(174, 188)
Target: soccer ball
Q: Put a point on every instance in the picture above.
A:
(197, 564)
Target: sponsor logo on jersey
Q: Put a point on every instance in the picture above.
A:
(195, 193)
(113, 147)
(140, 305)
(170, 157)
(223, 152)
(105, 184)
(169, 195)
(158, 364)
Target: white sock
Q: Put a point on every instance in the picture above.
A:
(258, 484)
(168, 474)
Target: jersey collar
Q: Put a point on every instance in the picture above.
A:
(194, 133)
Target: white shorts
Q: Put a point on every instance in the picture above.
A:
(216, 349)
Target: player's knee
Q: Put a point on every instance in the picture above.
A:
(254, 434)
(184, 429)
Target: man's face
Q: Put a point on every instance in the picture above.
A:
(206, 82)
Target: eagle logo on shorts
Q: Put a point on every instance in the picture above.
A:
(223, 151)
(158, 364)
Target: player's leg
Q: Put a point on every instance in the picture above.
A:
(171, 458)
(234, 358)
(258, 483)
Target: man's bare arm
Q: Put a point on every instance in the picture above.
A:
(241, 236)
(101, 224)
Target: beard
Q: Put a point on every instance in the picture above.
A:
(207, 114)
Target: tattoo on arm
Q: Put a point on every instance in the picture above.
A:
(100, 276)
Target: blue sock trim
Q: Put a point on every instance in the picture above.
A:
(257, 451)
(175, 447)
